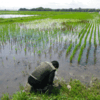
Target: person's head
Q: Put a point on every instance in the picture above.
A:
(55, 64)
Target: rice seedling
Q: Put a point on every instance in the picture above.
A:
(86, 36)
(69, 48)
(87, 54)
(73, 53)
(81, 52)
(80, 41)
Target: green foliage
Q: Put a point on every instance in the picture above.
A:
(78, 91)
(5, 97)
(20, 96)
(46, 14)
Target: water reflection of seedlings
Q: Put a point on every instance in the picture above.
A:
(91, 35)
(16, 50)
(2, 63)
(38, 63)
(87, 54)
(50, 56)
(6, 58)
(98, 34)
(29, 65)
(50, 49)
(23, 73)
(25, 50)
(95, 54)
(76, 41)
(45, 54)
(14, 58)
(39, 52)
(95, 44)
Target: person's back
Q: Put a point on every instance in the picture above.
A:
(43, 70)
(43, 75)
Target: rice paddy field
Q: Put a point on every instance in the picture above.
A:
(71, 38)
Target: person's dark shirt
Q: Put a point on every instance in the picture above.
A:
(45, 73)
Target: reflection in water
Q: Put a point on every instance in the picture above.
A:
(87, 54)
(95, 55)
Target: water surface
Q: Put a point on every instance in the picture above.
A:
(14, 16)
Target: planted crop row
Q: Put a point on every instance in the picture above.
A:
(84, 45)
(78, 45)
(86, 36)
(98, 35)
(91, 34)
(69, 48)
(95, 44)
(81, 52)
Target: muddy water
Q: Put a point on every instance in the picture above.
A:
(18, 60)
(15, 67)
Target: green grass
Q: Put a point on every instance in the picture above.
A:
(46, 14)
(78, 91)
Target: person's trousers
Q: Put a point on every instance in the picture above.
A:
(33, 82)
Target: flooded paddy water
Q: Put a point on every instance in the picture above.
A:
(13, 16)
(23, 46)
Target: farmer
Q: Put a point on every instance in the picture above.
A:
(42, 77)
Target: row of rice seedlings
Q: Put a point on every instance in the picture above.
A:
(95, 54)
(98, 34)
(80, 41)
(78, 45)
(83, 46)
(69, 48)
(81, 52)
(87, 54)
(95, 44)
(91, 35)
(86, 36)
(73, 53)
(80, 33)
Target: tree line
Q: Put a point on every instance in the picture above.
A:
(70, 9)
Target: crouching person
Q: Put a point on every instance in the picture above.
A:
(42, 77)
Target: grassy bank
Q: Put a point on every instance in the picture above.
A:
(78, 91)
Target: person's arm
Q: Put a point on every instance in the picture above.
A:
(51, 77)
